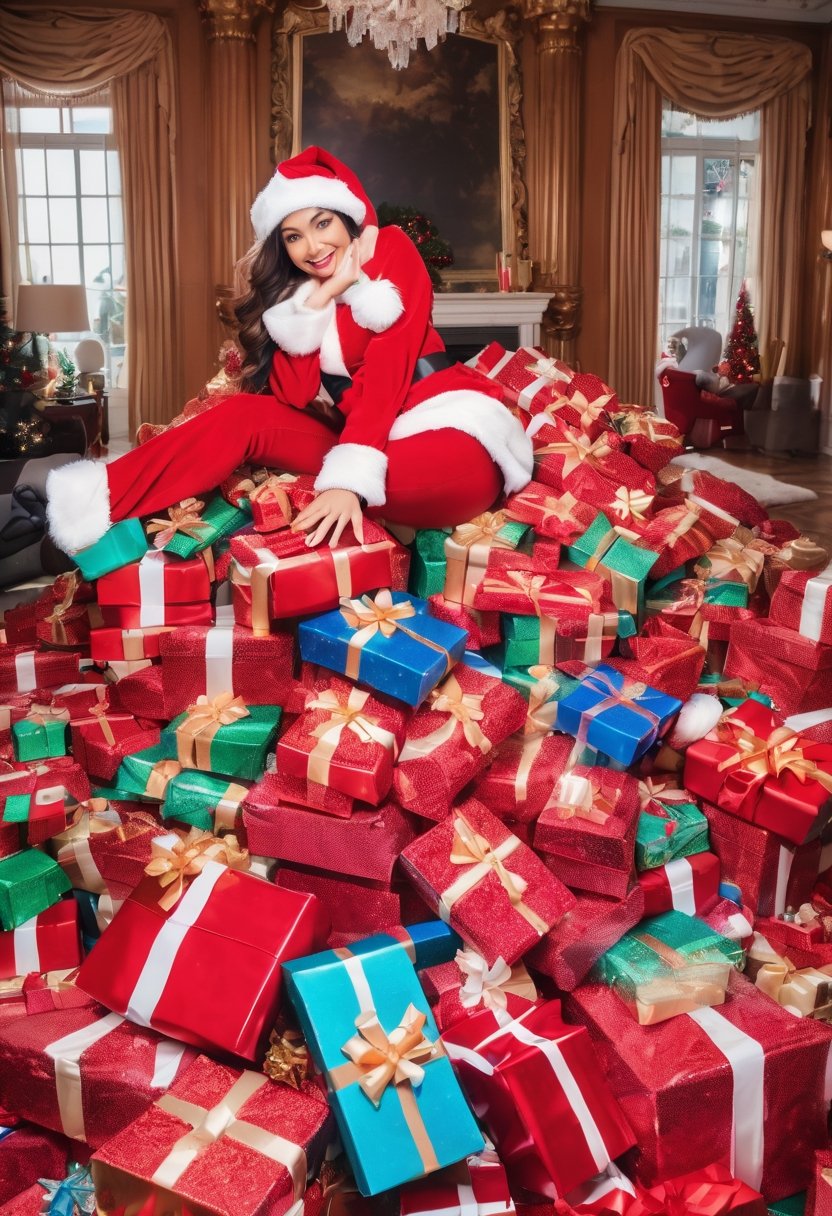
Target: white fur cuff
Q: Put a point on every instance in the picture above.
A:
(78, 504)
(295, 328)
(356, 467)
(375, 303)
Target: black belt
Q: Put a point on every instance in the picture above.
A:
(336, 386)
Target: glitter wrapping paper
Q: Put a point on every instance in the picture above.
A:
(771, 874)
(620, 718)
(706, 488)
(357, 907)
(49, 941)
(286, 578)
(452, 738)
(199, 661)
(79, 699)
(41, 794)
(803, 602)
(663, 658)
(143, 776)
(345, 739)
(540, 684)
(363, 640)
(501, 908)
(366, 845)
(532, 384)
(483, 628)
(26, 1154)
(229, 1141)
(41, 735)
(551, 1136)
(518, 782)
(651, 441)
(460, 989)
(30, 882)
(212, 804)
(101, 741)
(23, 670)
(427, 563)
(759, 1099)
(559, 516)
(414, 1129)
(596, 922)
(21, 622)
(192, 527)
(592, 471)
(106, 850)
(626, 565)
(531, 583)
(267, 501)
(712, 1191)
(667, 831)
(126, 644)
(170, 968)
(684, 532)
(233, 749)
(670, 964)
(547, 640)
(688, 884)
(591, 820)
(140, 694)
(469, 549)
(14, 710)
(70, 628)
(161, 589)
(88, 1072)
(752, 767)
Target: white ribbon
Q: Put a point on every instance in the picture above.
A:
(747, 1060)
(814, 602)
(219, 661)
(680, 880)
(66, 1054)
(78, 854)
(604, 1184)
(166, 1063)
(152, 589)
(26, 953)
(24, 666)
(785, 858)
(498, 366)
(801, 722)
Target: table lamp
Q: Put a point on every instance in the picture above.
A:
(52, 308)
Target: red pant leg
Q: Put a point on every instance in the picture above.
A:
(438, 479)
(200, 453)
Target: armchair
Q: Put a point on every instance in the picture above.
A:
(703, 417)
(703, 348)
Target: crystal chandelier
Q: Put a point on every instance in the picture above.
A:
(396, 26)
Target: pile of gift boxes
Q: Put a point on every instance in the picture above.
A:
(471, 871)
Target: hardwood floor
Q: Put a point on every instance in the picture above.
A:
(814, 472)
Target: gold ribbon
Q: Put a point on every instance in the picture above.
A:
(491, 986)
(227, 808)
(271, 492)
(659, 791)
(343, 716)
(543, 509)
(55, 617)
(467, 551)
(98, 713)
(631, 503)
(158, 777)
(643, 422)
(690, 517)
(383, 1059)
(540, 722)
(195, 734)
(576, 797)
(779, 753)
(287, 1060)
(474, 851)
(577, 450)
(589, 411)
(369, 617)
(465, 708)
(185, 519)
(41, 714)
(533, 586)
(729, 557)
(187, 858)
(485, 527)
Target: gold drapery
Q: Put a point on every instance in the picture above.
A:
(713, 75)
(79, 51)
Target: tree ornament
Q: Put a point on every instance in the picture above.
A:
(436, 253)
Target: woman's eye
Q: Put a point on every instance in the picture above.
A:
(324, 223)
(293, 236)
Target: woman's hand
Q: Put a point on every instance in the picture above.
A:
(332, 509)
(346, 274)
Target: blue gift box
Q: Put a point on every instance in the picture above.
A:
(406, 664)
(409, 1129)
(620, 730)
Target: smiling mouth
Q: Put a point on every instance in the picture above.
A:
(322, 263)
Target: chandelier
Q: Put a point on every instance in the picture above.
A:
(396, 26)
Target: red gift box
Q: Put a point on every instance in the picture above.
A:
(649, 439)
(545, 1103)
(346, 740)
(199, 661)
(588, 830)
(664, 658)
(525, 376)
(105, 849)
(486, 883)
(225, 1139)
(140, 694)
(483, 628)
(101, 741)
(170, 966)
(517, 784)
(803, 602)
(161, 589)
(712, 1191)
(451, 738)
(23, 670)
(569, 951)
(753, 1070)
(88, 1072)
(357, 907)
(126, 645)
(79, 699)
(713, 491)
(461, 988)
(15, 709)
(753, 767)
(689, 884)
(50, 941)
(559, 516)
(682, 533)
(529, 585)
(731, 921)
(476, 1187)
(593, 471)
(27, 1154)
(51, 792)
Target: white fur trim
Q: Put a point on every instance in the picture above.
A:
(78, 504)
(332, 357)
(295, 328)
(696, 717)
(484, 419)
(356, 467)
(375, 303)
(283, 195)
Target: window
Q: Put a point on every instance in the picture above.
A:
(70, 224)
(707, 218)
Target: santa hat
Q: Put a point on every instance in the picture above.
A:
(313, 178)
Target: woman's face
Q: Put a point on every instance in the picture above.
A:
(315, 240)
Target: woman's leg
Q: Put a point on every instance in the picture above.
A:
(86, 496)
(437, 479)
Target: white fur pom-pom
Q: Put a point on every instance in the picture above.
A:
(375, 303)
(699, 715)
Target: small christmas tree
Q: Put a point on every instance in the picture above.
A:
(22, 357)
(741, 357)
(436, 253)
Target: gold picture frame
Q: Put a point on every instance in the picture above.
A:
(295, 25)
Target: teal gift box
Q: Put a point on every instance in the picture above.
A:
(197, 530)
(123, 543)
(234, 748)
(673, 830)
(143, 775)
(669, 964)
(213, 804)
(30, 882)
(626, 565)
(427, 563)
(404, 657)
(795, 1205)
(42, 736)
(403, 1126)
(615, 715)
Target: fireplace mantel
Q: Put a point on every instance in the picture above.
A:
(487, 309)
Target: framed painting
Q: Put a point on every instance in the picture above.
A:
(444, 136)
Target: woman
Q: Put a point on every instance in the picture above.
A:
(332, 301)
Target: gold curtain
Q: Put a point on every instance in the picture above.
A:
(715, 76)
(78, 52)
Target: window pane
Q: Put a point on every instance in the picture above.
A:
(91, 119)
(681, 216)
(34, 170)
(665, 187)
(64, 220)
(41, 264)
(117, 265)
(60, 171)
(93, 172)
(40, 118)
(113, 173)
(97, 265)
(37, 220)
(683, 174)
(94, 219)
(66, 264)
(116, 226)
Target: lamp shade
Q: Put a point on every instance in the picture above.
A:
(52, 308)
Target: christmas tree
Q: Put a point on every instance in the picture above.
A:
(22, 357)
(741, 357)
(436, 253)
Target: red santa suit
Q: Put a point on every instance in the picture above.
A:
(420, 447)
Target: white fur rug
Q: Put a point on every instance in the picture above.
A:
(767, 490)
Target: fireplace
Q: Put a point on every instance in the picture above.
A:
(468, 321)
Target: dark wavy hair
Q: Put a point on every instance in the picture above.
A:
(265, 275)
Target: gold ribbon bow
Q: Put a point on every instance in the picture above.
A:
(546, 368)
(491, 986)
(383, 1059)
(731, 558)
(576, 450)
(484, 527)
(465, 707)
(185, 519)
(343, 716)
(369, 617)
(631, 503)
(271, 491)
(576, 797)
(659, 791)
(195, 734)
(188, 858)
(542, 509)
(287, 1060)
(98, 713)
(470, 848)
(41, 714)
(644, 422)
(55, 617)
(779, 753)
(589, 411)
(93, 816)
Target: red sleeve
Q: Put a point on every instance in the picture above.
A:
(295, 379)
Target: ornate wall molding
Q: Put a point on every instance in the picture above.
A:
(558, 23)
(233, 19)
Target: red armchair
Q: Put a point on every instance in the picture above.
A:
(703, 417)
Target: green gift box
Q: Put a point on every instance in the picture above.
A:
(795, 1205)
(34, 739)
(204, 801)
(144, 775)
(30, 882)
(427, 564)
(467, 550)
(669, 964)
(522, 645)
(236, 748)
(554, 685)
(679, 829)
(195, 530)
(123, 543)
(626, 565)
